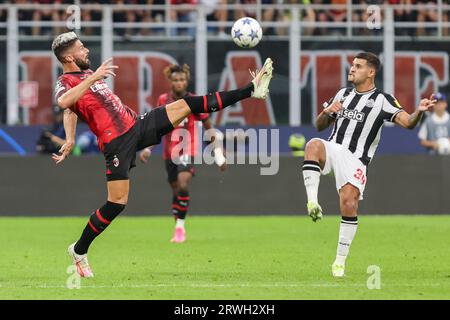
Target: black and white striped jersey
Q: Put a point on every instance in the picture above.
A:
(358, 125)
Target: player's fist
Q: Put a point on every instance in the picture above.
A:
(335, 107)
(145, 154)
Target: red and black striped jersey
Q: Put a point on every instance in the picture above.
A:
(99, 107)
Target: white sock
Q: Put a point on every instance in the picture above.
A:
(347, 232)
(311, 178)
(180, 223)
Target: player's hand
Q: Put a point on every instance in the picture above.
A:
(427, 104)
(65, 150)
(335, 107)
(145, 154)
(105, 70)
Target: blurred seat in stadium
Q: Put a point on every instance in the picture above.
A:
(307, 15)
(338, 15)
(182, 15)
(216, 14)
(23, 15)
(45, 15)
(3, 16)
(121, 15)
(429, 13)
(362, 14)
(404, 14)
(89, 15)
(268, 14)
(146, 16)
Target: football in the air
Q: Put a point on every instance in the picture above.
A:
(246, 32)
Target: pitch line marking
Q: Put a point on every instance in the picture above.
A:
(274, 285)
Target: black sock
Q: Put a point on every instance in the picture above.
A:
(217, 101)
(180, 204)
(98, 222)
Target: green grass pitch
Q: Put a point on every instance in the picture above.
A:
(276, 257)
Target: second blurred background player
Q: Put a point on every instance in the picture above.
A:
(180, 171)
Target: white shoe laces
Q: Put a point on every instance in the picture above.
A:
(253, 73)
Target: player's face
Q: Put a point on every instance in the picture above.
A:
(359, 71)
(80, 55)
(179, 82)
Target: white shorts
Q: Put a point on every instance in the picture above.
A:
(346, 167)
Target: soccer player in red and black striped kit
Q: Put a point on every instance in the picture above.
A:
(83, 93)
(179, 166)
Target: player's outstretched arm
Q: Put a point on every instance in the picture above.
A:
(326, 118)
(71, 96)
(70, 125)
(409, 121)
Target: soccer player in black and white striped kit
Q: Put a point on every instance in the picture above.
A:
(357, 114)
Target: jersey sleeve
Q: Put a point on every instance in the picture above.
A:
(201, 116)
(391, 106)
(62, 86)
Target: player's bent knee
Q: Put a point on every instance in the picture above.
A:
(314, 147)
(183, 187)
(123, 200)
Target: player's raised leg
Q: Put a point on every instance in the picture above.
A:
(348, 201)
(213, 102)
(315, 156)
(99, 220)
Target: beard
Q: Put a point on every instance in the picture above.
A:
(83, 64)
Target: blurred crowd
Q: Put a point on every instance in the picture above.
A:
(216, 10)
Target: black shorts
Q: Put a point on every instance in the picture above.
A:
(174, 169)
(120, 153)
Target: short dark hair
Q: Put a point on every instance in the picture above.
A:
(63, 42)
(176, 68)
(371, 58)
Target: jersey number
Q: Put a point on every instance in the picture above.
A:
(359, 175)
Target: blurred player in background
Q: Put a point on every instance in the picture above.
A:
(181, 169)
(434, 133)
(84, 93)
(358, 114)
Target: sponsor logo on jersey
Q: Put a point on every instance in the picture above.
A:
(99, 86)
(353, 115)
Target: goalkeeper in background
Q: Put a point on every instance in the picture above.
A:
(179, 165)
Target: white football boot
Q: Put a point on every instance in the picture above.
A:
(81, 262)
(261, 80)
